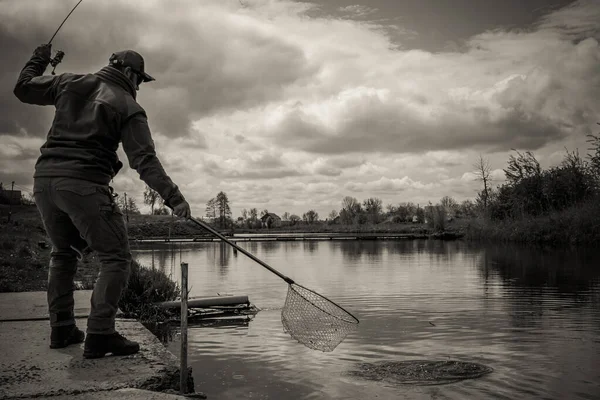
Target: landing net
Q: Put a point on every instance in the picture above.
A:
(314, 320)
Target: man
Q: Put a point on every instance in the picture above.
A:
(94, 112)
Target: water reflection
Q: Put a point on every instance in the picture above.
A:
(569, 270)
(369, 251)
(310, 245)
(269, 246)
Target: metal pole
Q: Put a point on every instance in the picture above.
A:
(183, 371)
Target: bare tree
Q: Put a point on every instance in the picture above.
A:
(211, 209)
(310, 216)
(151, 197)
(483, 172)
(253, 214)
(333, 215)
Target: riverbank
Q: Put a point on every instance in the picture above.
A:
(163, 227)
(30, 369)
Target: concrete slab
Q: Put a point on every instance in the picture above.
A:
(121, 394)
(34, 306)
(29, 368)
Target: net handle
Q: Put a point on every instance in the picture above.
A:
(238, 248)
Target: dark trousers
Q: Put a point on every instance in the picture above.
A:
(74, 211)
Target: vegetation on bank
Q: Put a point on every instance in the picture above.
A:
(559, 205)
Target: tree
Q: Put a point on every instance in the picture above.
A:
(332, 215)
(483, 172)
(264, 212)
(285, 216)
(223, 210)
(450, 205)
(420, 214)
(310, 216)
(130, 206)
(244, 214)
(294, 219)
(594, 157)
(466, 209)
(162, 210)
(350, 210)
(151, 197)
(253, 214)
(522, 167)
(373, 208)
(402, 212)
(211, 209)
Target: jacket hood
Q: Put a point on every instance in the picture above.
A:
(116, 77)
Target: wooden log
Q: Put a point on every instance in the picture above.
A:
(206, 302)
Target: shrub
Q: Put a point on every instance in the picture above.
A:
(145, 287)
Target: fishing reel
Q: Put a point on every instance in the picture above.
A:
(56, 60)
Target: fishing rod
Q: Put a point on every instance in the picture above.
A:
(60, 54)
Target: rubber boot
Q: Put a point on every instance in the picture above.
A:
(62, 336)
(97, 346)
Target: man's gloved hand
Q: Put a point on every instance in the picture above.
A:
(182, 210)
(44, 51)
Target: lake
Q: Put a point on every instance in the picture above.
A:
(530, 313)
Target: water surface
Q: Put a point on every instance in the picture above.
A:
(532, 314)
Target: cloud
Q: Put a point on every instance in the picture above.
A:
(386, 185)
(358, 10)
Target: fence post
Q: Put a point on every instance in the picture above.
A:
(183, 370)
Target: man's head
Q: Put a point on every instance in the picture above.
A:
(131, 64)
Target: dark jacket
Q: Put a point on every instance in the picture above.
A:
(94, 112)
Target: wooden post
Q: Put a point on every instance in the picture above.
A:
(183, 370)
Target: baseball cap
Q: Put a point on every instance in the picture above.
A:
(132, 59)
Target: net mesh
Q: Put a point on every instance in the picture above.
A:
(314, 320)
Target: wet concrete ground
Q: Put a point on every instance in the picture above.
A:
(30, 369)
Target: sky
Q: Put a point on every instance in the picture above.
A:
(290, 106)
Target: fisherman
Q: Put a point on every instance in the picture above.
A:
(94, 112)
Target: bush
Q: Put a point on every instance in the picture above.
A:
(436, 218)
(145, 287)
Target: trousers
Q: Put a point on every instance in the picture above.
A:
(78, 213)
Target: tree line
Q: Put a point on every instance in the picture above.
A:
(529, 191)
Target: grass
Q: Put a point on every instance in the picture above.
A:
(147, 286)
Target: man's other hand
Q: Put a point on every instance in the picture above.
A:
(44, 51)
(182, 210)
